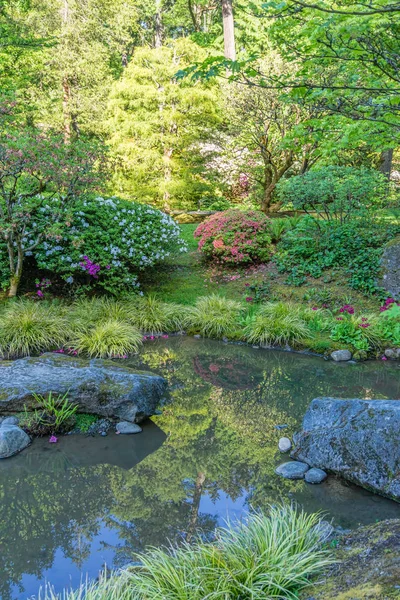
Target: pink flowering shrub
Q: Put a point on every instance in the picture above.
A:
(235, 237)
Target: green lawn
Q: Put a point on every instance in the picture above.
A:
(185, 277)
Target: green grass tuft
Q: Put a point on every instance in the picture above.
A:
(154, 316)
(214, 316)
(265, 556)
(278, 324)
(108, 339)
(31, 328)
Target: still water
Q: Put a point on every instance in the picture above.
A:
(69, 509)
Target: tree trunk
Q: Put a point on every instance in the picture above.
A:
(267, 197)
(386, 160)
(66, 102)
(229, 30)
(158, 26)
(66, 111)
(194, 513)
(13, 289)
(15, 269)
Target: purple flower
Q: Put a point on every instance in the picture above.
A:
(249, 299)
(53, 440)
(384, 358)
(314, 308)
(40, 293)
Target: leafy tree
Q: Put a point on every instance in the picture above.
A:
(276, 136)
(158, 127)
(37, 169)
(335, 193)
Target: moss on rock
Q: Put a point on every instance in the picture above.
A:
(368, 566)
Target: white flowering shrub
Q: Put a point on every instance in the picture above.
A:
(106, 242)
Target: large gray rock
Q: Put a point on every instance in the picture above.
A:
(98, 386)
(12, 440)
(390, 263)
(356, 439)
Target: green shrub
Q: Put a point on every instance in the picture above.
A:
(261, 557)
(278, 324)
(107, 243)
(353, 249)
(154, 316)
(334, 193)
(358, 332)
(109, 339)
(214, 316)
(388, 324)
(28, 327)
(235, 237)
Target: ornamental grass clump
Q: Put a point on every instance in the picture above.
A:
(154, 316)
(86, 312)
(235, 237)
(278, 324)
(31, 328)
(214, 316)
(108, 339)
(264, 556)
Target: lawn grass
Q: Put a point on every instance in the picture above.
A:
(186, 277)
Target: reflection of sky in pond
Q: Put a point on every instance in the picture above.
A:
(71, 508)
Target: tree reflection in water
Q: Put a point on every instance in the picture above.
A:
(216, 439)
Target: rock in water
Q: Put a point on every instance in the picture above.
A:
(284, 444)
(100, 387)
(125, 427)
(315, 476)
(341, 355)
(390, 263)
(392, 353)
(292, 470)
(356, 439)
(12, 440)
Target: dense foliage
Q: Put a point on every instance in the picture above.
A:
(235, 237)
(335, 193)
(352, 249)
(107, 242)
(116, 328)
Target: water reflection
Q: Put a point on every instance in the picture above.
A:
(68, 509)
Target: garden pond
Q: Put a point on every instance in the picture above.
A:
(68, 509)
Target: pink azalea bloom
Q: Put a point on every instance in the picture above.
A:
(384, 358)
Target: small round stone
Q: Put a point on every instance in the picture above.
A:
(292, 470)
(104, 433)
(126, 427)
(284, 444)
(341, 355)
(315, 476)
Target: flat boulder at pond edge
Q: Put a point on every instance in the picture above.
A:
(355, 439)
(100, 387)
(13, 440)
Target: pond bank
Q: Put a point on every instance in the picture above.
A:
(368, 566)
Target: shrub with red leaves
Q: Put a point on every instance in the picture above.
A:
(235, 237)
